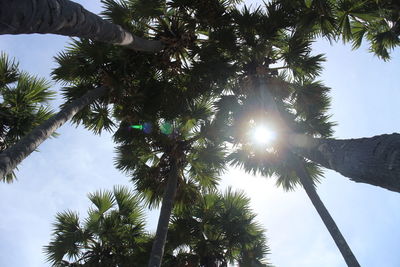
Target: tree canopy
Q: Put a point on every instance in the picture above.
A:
(220, 229)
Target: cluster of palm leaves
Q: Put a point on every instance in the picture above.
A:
(113, 234)
(376, 21)
(223, 71)
(221, 229)
(149, 157)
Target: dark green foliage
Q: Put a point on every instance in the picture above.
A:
(377, 21)
(112, 234)
(209, 44)
(24, 104)
(147, 156)
(218, 229)
(311, 102)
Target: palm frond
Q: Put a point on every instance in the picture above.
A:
(9, 72)
(68, 238)
(102, 200)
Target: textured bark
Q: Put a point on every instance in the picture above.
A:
(67, 18)
(11, 157)
(330, 224)
(374, 160)
(157, 250)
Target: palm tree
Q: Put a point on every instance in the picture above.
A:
(185, 161)
(218, 229)
(69, 19)
(113, 234)
(24, 105)
(15, 154)
(290, 169)
(277, 86)
(171, 165)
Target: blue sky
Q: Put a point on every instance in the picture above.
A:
(365, 94)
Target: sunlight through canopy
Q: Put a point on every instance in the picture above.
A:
(263, 135)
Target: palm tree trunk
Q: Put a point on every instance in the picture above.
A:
(157, 250)
(307, 183)
(374, 160)
(67, 18)
(330, 224)
(14, 155)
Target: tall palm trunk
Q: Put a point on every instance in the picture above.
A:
(157, 250)
(12, 156)
(306, 181)
(330, 224)
(374, 160)
(67, 18)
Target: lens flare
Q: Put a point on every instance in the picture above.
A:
(138, 127)
(166, 128)
(263, 135)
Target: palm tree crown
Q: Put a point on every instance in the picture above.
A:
(112, 235)
(148, 157)
(24, 104)
(219, 229)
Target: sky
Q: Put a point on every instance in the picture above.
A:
(365, 95)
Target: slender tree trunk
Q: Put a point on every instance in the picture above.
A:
(157, 250)
(330, 224)
(374, 160)
(307, 183)
(67, 18)
(14, 155)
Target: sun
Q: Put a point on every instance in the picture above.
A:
(263, 135)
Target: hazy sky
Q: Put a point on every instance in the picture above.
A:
(365, 93)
